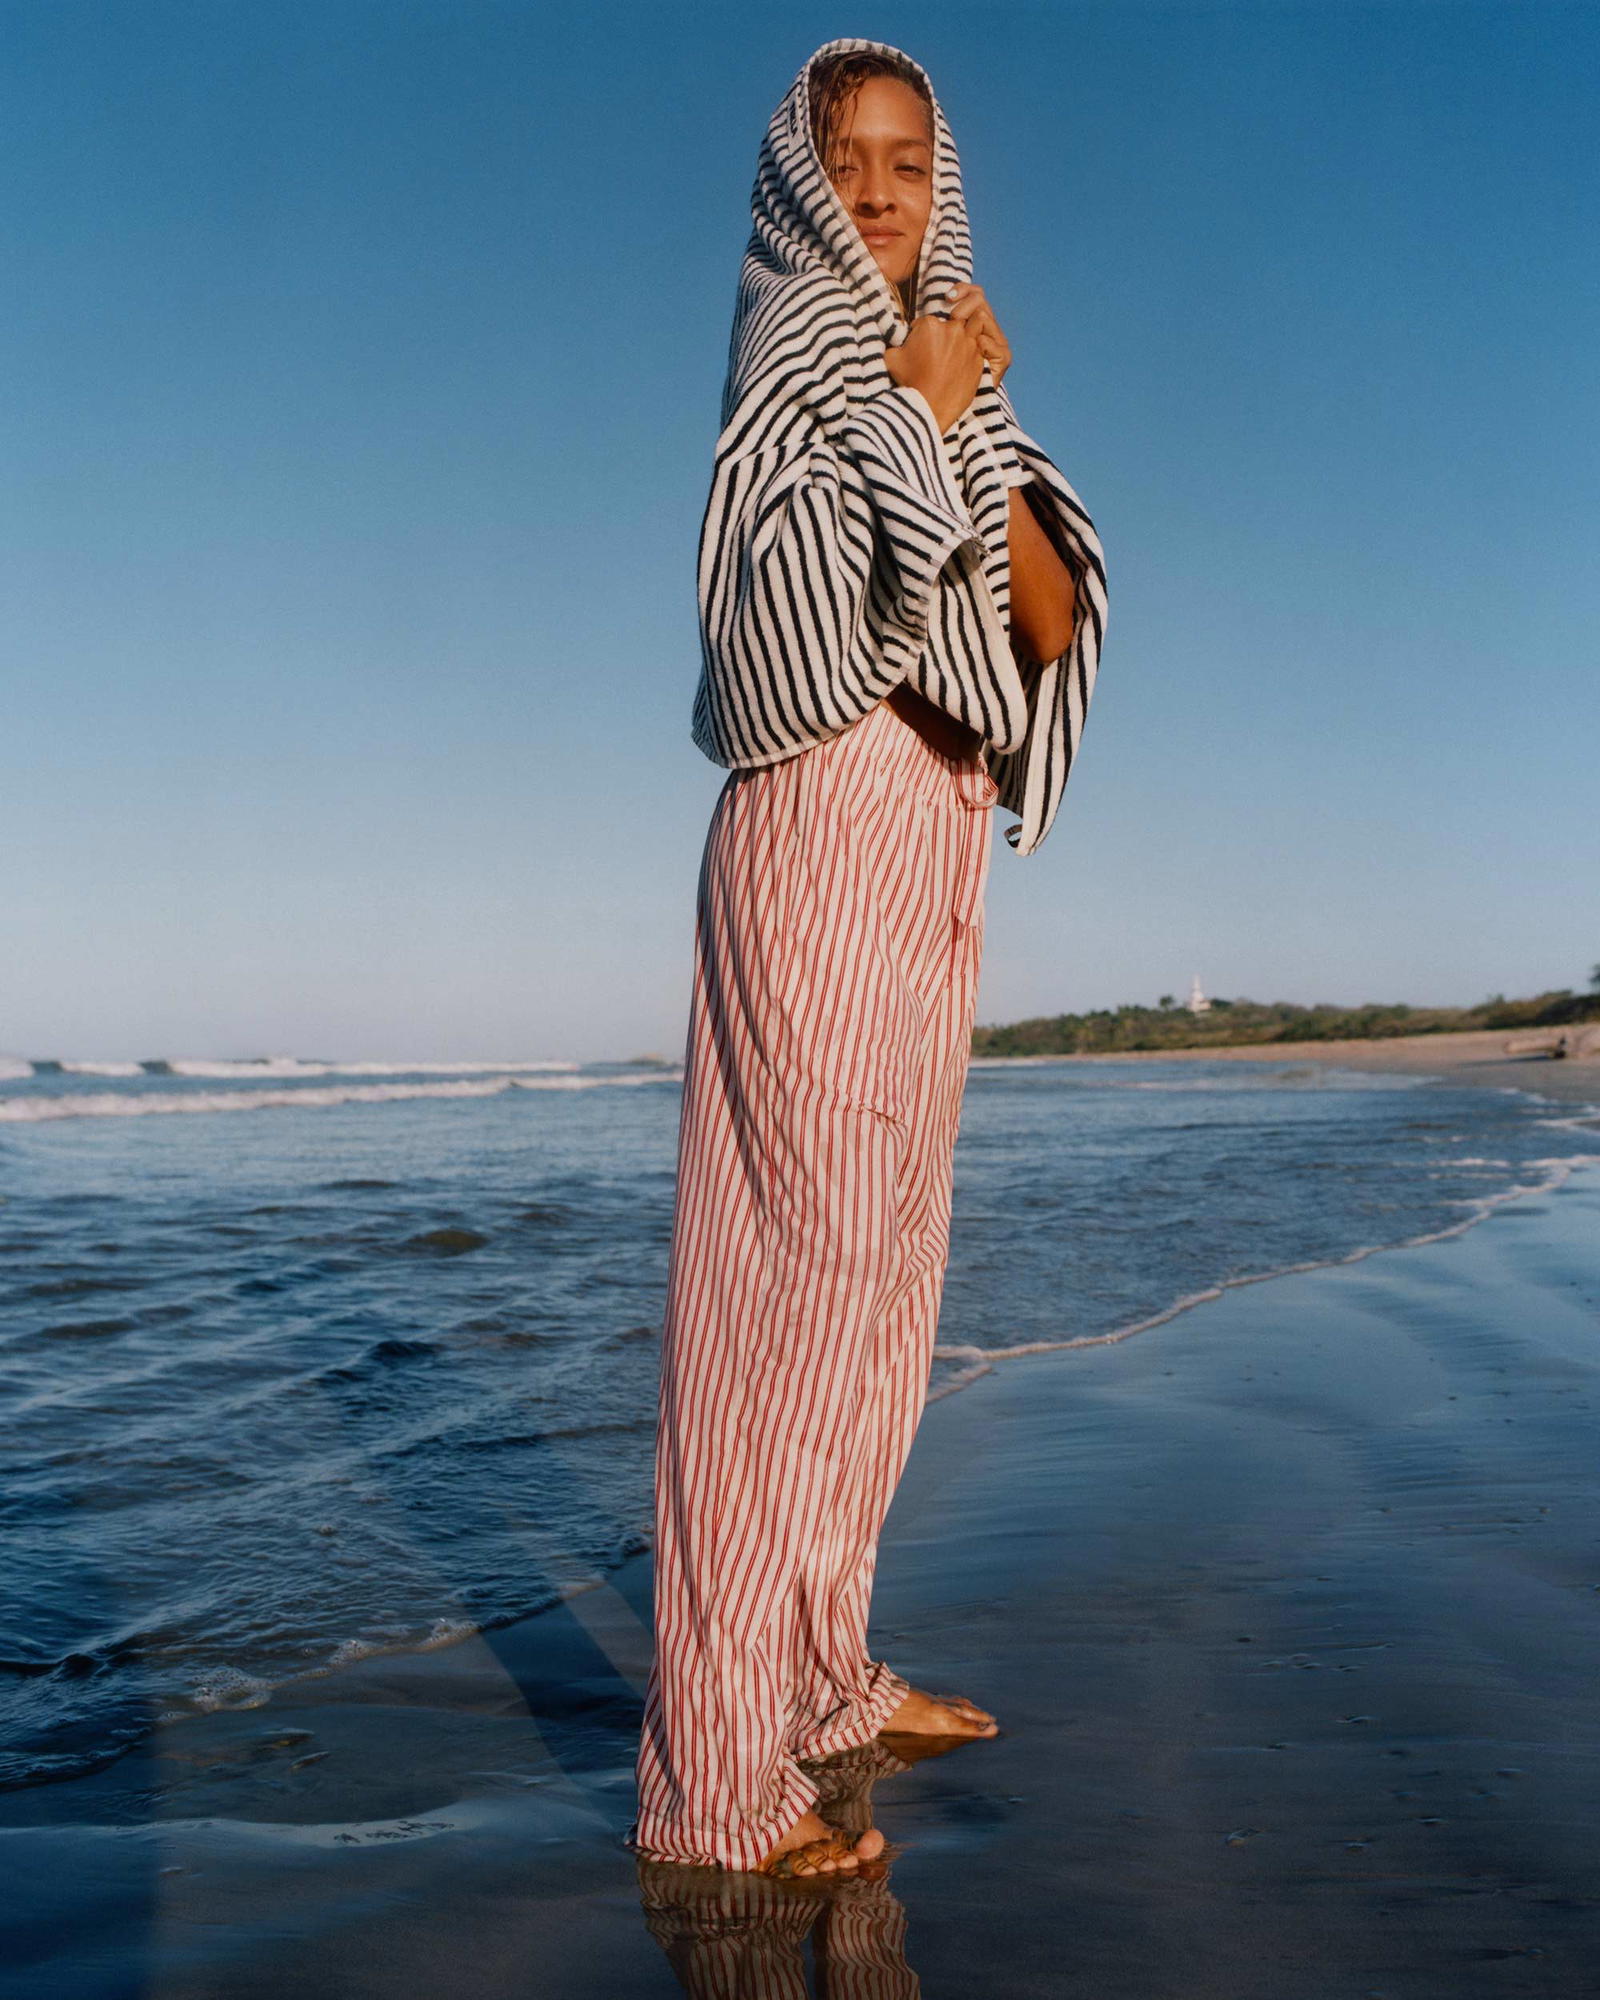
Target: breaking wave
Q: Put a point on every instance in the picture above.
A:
(34, 1110)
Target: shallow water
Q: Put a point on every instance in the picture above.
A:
(306, 1361)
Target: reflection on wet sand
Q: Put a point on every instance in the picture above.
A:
(733, 1935)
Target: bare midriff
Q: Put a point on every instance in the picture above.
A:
(934, 725)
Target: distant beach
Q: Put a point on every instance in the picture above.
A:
(1479, 1056)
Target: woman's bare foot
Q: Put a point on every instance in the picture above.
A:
(922, 1714)
(812, 1847)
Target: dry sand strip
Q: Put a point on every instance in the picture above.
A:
(1495, 1057)
(1289, 1609)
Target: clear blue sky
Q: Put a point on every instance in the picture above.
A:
(363, 365)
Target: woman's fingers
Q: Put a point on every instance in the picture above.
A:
(970, 308)
(968, 303)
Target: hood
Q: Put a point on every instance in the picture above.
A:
(801, 226)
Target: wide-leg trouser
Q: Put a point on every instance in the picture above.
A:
(839, 933)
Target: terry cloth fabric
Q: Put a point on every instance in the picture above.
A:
(847, 545)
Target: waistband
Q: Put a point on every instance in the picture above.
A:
(895, 744)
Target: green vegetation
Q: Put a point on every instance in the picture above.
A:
(1167, 1026)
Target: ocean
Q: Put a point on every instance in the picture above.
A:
(304, 1361)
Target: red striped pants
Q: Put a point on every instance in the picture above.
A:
(839, 932)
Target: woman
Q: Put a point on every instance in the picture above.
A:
(901, 605)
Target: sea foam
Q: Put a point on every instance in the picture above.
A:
(35, 1110)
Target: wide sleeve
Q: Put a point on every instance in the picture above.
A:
(894, 440)
(819, 561)
(1032, 777)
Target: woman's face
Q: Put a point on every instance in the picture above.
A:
(882, 166)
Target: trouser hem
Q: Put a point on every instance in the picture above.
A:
(860, 1725)
(658, 1837)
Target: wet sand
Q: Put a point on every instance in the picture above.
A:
(1289, 1608)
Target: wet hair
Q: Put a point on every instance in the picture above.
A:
(835, 81)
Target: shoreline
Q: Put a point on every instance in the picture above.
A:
(1465, 1062)
(984, 1358)
(1288, 1612)
(1467, 1056)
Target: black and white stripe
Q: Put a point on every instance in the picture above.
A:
(846, 546)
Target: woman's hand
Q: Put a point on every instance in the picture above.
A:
(970, 308)
(942, 358)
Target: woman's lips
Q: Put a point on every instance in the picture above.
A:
(879, 236)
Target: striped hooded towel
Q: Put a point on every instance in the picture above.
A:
(847, 546)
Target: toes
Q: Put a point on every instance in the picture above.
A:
(969, 1711)
(963, 1714)
(833, 1853)
(816, 1857)
(837, 1856)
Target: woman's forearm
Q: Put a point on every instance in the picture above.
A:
(1043, 596)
